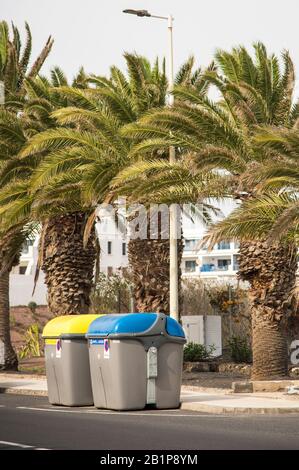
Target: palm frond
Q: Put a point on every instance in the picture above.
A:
(41, 58)
(27, 50)
(254, 219)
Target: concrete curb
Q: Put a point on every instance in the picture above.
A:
(253, 386)
(234, 410)
(18, 391)
(214, 391)
(22, 375)
(191, 405)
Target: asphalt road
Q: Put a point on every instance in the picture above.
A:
(31, 423)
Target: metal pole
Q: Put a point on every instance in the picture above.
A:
(173, 216)
(173, 213)
(230, 310)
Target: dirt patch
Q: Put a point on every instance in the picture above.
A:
(21, 318)
(33, 365)
(211, 380)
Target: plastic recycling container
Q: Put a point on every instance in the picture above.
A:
(136, 360)
(67, 360)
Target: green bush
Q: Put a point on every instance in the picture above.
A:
(194, 352)
(239, 349)
(111, 294)
(32, 307)
(32, 343)
(13, 321)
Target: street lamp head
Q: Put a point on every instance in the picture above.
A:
(137, 12)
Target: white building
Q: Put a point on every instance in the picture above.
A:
(21, 279)
(113, 243)
(220, 263)
(113, 258)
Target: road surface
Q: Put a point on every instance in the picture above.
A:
(31, 423)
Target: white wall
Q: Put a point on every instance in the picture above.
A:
(108, 231)
(213, 334)
(194, 226)
(204, 330)
(21, 286)
(193, 326)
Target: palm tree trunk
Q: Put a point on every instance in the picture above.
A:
(269, 343)
(10, 248)
(68, 265)
(149, 263)
(8, 357)
(271, 273)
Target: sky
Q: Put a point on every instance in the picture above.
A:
(95, 33)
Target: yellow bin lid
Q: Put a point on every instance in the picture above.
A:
(68, 326)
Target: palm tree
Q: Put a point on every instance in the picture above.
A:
(218, 139)
(14, 69)
(273, 213)
(88, 150)
(67, 263)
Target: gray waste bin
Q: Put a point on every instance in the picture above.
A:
(136, 359)
(67, 360)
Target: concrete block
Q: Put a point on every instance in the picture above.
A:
(196, 367)
(273, 385)
(242, 387)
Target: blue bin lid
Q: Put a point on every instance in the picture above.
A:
(173, 328)
(131, 323)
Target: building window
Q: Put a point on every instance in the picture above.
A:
(190, 266)
(124, 249)
(109, 270)
(26, 245)
(109, 248)
(22, 269)
(236, 263)
(207, 268)
(190, 244)
(223, 264)
(223, 245)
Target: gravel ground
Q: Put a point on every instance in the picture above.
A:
(212, 380)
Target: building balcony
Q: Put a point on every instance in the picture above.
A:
(208, 268)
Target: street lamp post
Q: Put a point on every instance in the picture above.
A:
(173, 217)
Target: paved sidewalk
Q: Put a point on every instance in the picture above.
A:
(253, 403)
(193, 399)
(23, 384)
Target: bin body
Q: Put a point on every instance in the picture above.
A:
(122, 373)
(118, 383)
(169, 380)
(67, 360)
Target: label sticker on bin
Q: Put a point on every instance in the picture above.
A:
(96, 341)
(106, 349)
(58, 348)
